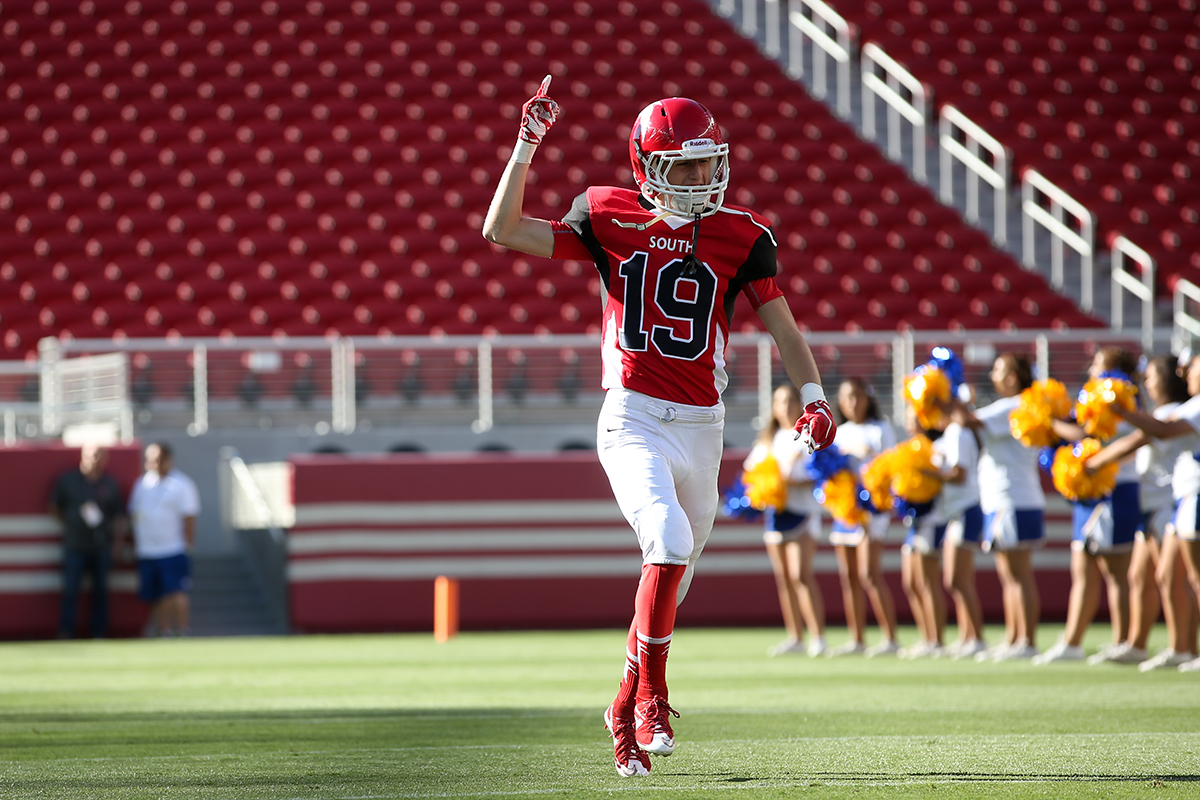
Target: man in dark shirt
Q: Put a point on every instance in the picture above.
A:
(88, 503)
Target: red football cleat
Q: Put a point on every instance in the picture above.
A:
(630, 759)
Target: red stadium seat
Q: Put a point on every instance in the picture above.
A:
(283, 195)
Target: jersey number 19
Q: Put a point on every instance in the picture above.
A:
(670, 298)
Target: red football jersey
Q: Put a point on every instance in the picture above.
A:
(664, 331)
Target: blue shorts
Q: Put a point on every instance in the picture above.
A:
(1014, 529)
(1187, 518)
(966, 530)
(1156, 522)
(925, 535)
(788, 526)
(159, 577)
(1109, 525)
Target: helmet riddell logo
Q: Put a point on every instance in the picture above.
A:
(697, 144)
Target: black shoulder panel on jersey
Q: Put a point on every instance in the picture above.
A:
(760, 263)
(579, 219)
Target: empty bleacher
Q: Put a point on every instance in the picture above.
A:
(1099, 96)
(292, 169)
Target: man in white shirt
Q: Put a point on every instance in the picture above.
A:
(163, 510)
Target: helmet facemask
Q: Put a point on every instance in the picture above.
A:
(691, 201)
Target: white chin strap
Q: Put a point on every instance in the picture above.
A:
(687, 201)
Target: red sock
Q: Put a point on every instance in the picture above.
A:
(623, 705)
(654, 616)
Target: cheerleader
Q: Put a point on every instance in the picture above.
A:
(919, 573)
(956, 455)
(791, 534)
(863, 434)
(1156, 576)
(1102, 545)
(1013, 505)
(1181, 542)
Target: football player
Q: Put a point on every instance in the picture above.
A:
(672, 258)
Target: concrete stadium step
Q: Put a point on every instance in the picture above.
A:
(227, 601)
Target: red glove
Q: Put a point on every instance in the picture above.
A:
(537, 116)
(816, 424)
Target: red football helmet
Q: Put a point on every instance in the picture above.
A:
(667, 132)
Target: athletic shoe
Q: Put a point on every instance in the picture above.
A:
(969, 649)
(1020, 650)
(1060, 651)
(654, 734)
(629, 758)
(991, 654)
(1190, 666)
(785, 647)
(1120, 653)
(1164, 659)
(920, 650)
(851, 648)
(816, 646)
(951, 650)
(884, 648)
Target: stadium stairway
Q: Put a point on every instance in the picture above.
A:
(227, 599)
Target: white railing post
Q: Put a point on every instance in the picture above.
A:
(903, 363)
(996, 174)
(125, 424)
(1061, 235)
(49, 354)
(199, 424)
(1041, 355)
(836, 47)
(887, 88)
(342, 400)
(772, 44)
(486, 409)
(1142, 288)
(764, 382)
(750, 18)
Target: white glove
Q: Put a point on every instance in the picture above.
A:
(537, 115)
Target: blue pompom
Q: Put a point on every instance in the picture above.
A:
(1046, 458)
(736, 505)
(826, 463)
(948, 362)
(864, 500)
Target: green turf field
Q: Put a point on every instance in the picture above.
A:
(518, 715)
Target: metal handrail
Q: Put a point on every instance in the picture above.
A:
(996, 174)
(1140, 287)
(1185, 326)
(799, 26)
(888, 90)
(1061, 235)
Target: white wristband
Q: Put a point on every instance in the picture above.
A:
(811, 393)
(523, 152)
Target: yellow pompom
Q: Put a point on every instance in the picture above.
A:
(1092, 410)
(877, 480)
(928, 391)
(1073, 481)
(914, 478)
(1041, 404)
(765, 486)
(840, 498)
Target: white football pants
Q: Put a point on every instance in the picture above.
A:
(662, 461)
